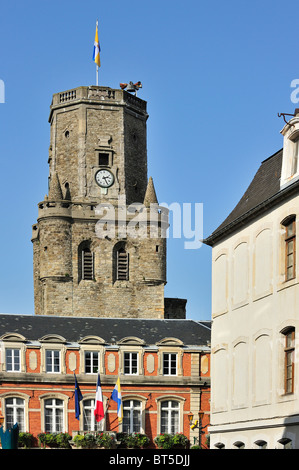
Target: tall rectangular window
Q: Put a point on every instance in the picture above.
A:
(169, 364)
(91, 362)
(170, 417)
(132, 416)
(54, 415)
(131, 363)
(89, 422)
(15, 413)
(13, 363)
(289, 353)
(52, 361)
(290, 249)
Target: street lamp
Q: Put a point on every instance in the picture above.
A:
(190, 417)
(200, 418)
(197, 424)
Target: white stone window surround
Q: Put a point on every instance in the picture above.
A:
(170, 346)
(142, 400)
(13, 341)
(57, 396)
(92, 344)
(166, 398)
(290, 168)
(53, 343)
(170, 363)
(131, 362)
(97, 426)
(131, 345)
(24, 397)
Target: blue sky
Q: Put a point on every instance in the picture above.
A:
(214, 74)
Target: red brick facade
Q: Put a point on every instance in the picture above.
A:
(189, 387)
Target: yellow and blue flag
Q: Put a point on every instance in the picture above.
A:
(96, 48)
(116, 396)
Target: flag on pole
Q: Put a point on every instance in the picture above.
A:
(78, 398)
(99, 408)
(96, 49)
(116, 396)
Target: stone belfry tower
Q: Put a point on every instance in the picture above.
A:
(97, 158)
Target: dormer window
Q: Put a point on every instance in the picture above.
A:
(295, 155)
(290, 159)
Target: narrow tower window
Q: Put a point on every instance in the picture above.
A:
(103, 159)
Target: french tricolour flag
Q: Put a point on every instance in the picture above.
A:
(99, 408)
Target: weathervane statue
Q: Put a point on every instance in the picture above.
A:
(132, 87)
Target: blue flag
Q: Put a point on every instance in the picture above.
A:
(78, 398)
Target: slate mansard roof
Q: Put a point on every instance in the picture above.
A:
(263, 192)
(111, 330)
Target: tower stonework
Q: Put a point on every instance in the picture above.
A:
(83, 265)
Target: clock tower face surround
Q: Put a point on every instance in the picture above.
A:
(104, 178)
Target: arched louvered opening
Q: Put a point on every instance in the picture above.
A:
(86, 262)
(120, 262)
(122, 267)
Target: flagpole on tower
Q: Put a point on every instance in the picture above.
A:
(97, 82)
(96, 53)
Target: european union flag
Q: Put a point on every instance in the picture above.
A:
(78, 398)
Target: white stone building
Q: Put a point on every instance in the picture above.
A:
(255, 309)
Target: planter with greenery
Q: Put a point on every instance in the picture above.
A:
(25, 440)
(171, 441)
(102, 440)
(180, 440)
(85, 441)
(105, 440)
(136, 440)
(54, 440)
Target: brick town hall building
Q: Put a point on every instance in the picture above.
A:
(99, 282)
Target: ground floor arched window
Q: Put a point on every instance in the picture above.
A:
(54, 410)
(170, 417)
(89, 422)
(15, 413)
(132, 416)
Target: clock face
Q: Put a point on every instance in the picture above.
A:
(104, 178)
